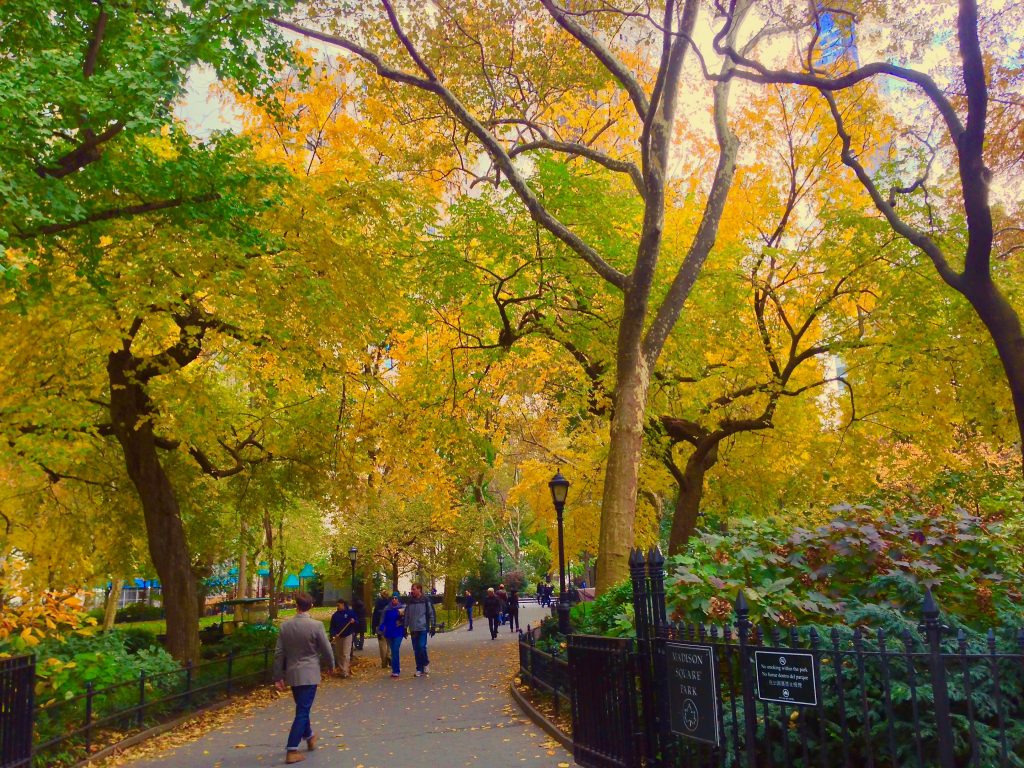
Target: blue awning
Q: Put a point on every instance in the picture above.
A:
(307, 572)
(292, 582)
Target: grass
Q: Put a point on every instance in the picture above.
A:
(159, 626)
(452, 619)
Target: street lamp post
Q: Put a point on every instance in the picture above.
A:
(501, 566)
(559, 490)
(352, 559)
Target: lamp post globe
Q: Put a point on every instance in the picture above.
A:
(559, 492)
(352, 552)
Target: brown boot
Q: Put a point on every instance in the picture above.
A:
(311, 743)
(294, 757)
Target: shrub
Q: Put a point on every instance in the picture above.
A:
(137, 639)
(27, 618)
(64, 667)
(610, 614)
(864, 556)
(248, 638)
(138, 612)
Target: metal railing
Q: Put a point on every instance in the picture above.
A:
(547, 672)
(17, 682)
(68, 729)
(743, 696)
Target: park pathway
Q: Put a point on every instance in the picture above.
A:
(461, 715)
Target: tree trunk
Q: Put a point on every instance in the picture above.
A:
(394, 575)
(268, 530)
(691, 491)
(451, 591)
(242, 587)
(110, 608)
(618, 505)
(1003, 324)
(131, 415)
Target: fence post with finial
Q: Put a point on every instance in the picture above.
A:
(932, 628)
(656, 577)
(641, 595)
(743, 627)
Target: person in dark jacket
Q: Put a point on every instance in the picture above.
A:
(513, 611)
(502, 596)
(360, 609)
(492, 609)
(392, 627)
(379, 606)
(343, 629)
(469, 602)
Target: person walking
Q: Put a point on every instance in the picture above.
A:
(302, 646)
(513, 611)
(359, 636)
(379, 606)
(492, 608)
(343, 630)
(421, 620)
(503, 601)
(469, 602)
(392, 627)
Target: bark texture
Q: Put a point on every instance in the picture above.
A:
(131, 417)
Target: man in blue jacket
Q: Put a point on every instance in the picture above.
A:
(420, 620)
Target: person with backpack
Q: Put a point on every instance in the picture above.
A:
(492, 609)
(421, 621)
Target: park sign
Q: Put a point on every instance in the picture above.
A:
(786, 676)
(693, 693)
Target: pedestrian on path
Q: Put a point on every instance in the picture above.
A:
(513, 611)
(392, 627)
(470, 601)
(301, 647)
(360, 631)
(492, 609)
(379, 606)
(343, 630)
(503, 602)
(421, 620)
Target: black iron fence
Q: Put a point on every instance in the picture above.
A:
(745, 696)
(17, 682)
(543, 670)
(63, 731)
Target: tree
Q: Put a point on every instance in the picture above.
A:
(83, 85)
(505, 127)
(953, 225)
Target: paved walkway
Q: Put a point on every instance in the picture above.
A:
(460, 715)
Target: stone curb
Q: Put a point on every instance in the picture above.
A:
(538, 718)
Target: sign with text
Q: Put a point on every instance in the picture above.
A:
(693, 694)
(786, 676)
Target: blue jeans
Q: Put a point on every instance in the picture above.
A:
(396, 645)
(419, 648)
(469, 614)
(301, 729)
